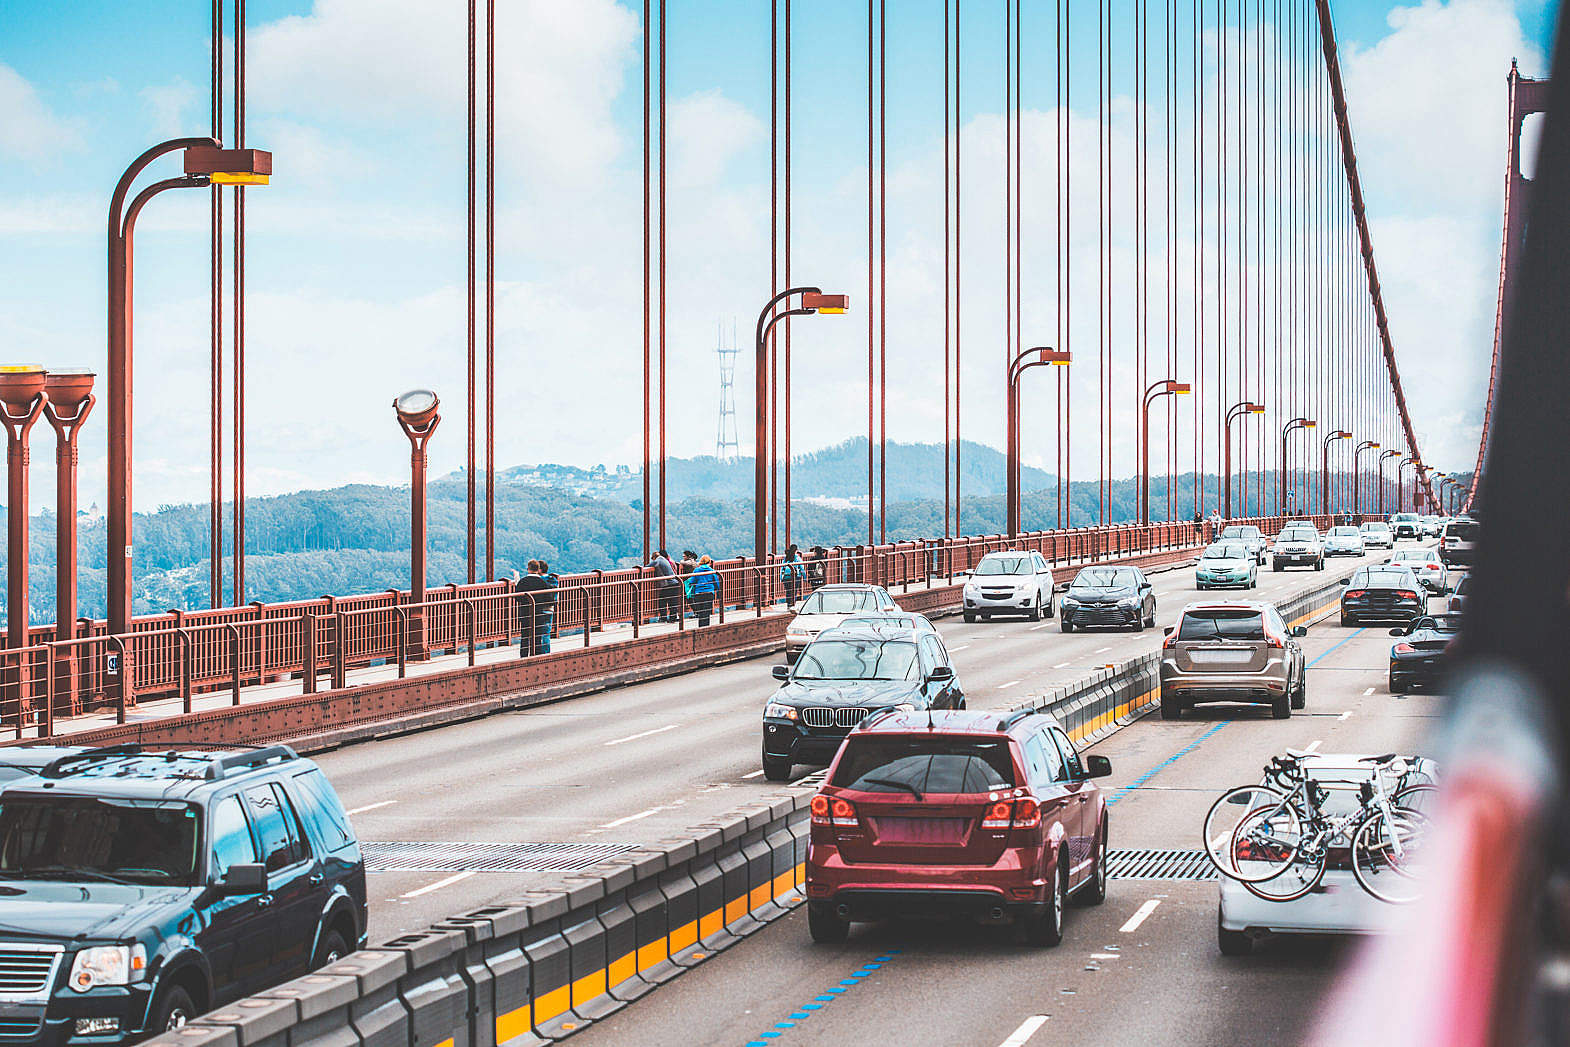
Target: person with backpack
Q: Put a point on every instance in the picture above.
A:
(792, 572)
(702, 584)
(667, 587)
(816, 570)
(548, 597)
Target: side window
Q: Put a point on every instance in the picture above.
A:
(1076, 770)
(322, 810)
(277, 826)
(231, 836)
(1277, 622)
(1046, 765)
(932, 652)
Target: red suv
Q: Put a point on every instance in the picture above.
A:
(964, 813)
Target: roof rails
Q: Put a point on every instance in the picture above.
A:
(222, 765)
(1014, 717)
(59, 768)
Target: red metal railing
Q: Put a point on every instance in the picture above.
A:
(181, 654)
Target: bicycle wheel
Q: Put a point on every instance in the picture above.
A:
(1301, 876)
(1424, 799)
(1252, 833)
(1389, 856)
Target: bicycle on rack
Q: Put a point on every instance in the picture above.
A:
(1278, 838)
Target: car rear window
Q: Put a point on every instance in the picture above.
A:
(1222, 624)
(926, 765)
(1467, 532)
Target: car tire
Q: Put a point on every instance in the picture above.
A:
(1066, 625)
(1052, 610)
(1233, 943)
(1398, 686)
(332, 949)
(1345, 621)
(1035, 611)
(1320, 566)
(1281, 708)
(172, 1010)
(1170, 709)
(1094, 890)
(776, 768)
(1275, 568)
(1046, 928)
(970, 618)
(825, 926)
(1300, 696)
(1139, 623)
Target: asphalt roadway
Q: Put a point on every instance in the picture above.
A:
(1141, 969)
(636, 764)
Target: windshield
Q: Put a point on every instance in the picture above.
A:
(1439, 623)
(1240, 532)
(1016, 563)
(1344, 532)
(1376, 527)
(1405, 517)
(1226, 551)
(1414, 556)
(1106, 578)
(1298, 534)
(883, 621)
(829, 659)
(1386, 579)
(918, 766)
(96, 839)
(1222, 624)
(840, 601)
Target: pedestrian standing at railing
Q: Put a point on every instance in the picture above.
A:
(667, 587)
(702, 584)
(529, 591)
(816, 568)
(792, 572)
(548, 598)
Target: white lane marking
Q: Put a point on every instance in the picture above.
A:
(961, 647)
(1345, 715)
(372, 807)
(754, 774)
(645, 734)
(1033, 628)
(1106, 956)
(1140, 916)
(1312, 745)
(1011, 683)
(1099, 650)
(1026, 1030)
(1062, 665)
(634, 817)
(1368, 692)
(439, 884)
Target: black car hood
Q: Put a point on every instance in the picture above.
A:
(1100, 592)
(869, 693)
(41, 910)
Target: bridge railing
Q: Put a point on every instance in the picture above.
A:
(186, 654)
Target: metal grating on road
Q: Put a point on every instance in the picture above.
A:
(486, 857)
(1161, 865)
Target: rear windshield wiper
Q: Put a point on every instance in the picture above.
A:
(892, 784)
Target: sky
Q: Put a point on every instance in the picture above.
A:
(356, 252)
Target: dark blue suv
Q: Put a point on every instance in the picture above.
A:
(138, 889)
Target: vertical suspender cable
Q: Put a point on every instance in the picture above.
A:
(469, 299)
(662, 230)
(959, 263)
(871, 308)
(490, 293)
(215, 292)
(947, 270)
(883, 237)
(787, 368)
(238, 584)
(647, 376)
(774, 256)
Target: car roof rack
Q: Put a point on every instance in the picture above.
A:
(59, 768)
(1014, 717)
(222, 765)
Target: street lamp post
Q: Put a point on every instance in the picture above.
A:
(1401, 482)
(205, 164)
(70, 401)
(1235, 411)
(1389, 453)
(1165, 387)
(813, 300)
(418, 413)
(22, 399)
(1286, 431)
(1040, 356)
(1324, 469)
(1357, 476)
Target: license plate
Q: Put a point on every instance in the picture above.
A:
(1221, 657)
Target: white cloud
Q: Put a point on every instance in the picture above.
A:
(29, 130)
(168, 104)
(707, 132)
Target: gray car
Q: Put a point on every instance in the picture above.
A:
(1233, 651)
(1344, 541)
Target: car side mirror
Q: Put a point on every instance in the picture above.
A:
(1097, 766)
(1167, 631)
(1300, 631)
(782, 672)
(250, 878)
(1398, 632)
(967, 573)
(940, 674)
(1144, 585)
(1346, 581)
(1061, 587)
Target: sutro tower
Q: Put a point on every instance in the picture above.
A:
(726, 446)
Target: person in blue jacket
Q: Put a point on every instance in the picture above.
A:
(701, 585)
(792, 572)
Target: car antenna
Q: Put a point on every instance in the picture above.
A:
(930, 726)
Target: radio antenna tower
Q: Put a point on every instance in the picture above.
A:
(726, 446)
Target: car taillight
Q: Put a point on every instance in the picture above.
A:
(1404, 648)
(820, 810)
(1275, 642)
(1356, 593)
(1027, 813)
(1406, 594)
(1169, 642)
(843, 812)
(999, 816)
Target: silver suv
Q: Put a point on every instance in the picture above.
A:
(1298, 545)
(1457, 542)
(1233, 651)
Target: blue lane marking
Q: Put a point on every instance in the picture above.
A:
(1355, 634)
(805, 1010)
(1164, 764)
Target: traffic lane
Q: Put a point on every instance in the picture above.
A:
(637, 764)
(1162, 980)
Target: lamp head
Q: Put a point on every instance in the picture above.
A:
(69, 387)
(1256, 408)
(417, 408)
(20, 385)
(1179, 388)
(825, 303)
(229, 166)
(1045, 354)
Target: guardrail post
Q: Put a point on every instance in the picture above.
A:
(47, 728)
(126, 695)
(234, 659)
(308, 662)
(638, 589)
(471, 616)
(340, 656)
(594, 609)
(403, 640)
(185, 645)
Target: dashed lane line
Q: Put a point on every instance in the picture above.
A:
(1140, 916)
(1021, 1036)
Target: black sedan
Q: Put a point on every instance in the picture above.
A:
(1419, 659)
(1383, 593)
(844, 676)
(1117, 596)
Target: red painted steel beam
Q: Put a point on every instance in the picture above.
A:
(1327, 36)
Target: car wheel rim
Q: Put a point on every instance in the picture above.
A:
(177, 1019)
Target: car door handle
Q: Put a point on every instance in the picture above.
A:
(264, 902)
(316, 879)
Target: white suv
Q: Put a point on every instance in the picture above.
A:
(1298, 545)
(1457, 541)
(1013, 582)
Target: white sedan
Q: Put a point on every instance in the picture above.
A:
(1425, 563)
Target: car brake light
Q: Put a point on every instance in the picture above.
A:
(820, 810)
(844, 813)
(1407, 594)
(998, 816)
(1027, 813)
(1356, 593)
(1404, 648)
